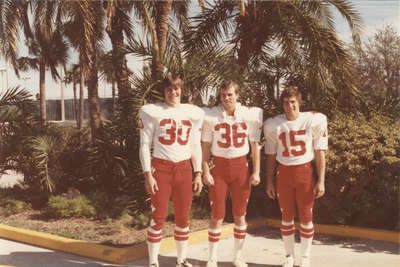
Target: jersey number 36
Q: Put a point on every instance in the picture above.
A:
(238, 138)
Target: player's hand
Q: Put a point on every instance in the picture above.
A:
(151, 184)
(197, 184)
(255, 179)
(271, 190)
(319, 189)
(208, 179)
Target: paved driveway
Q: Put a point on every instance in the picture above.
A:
(263, 249)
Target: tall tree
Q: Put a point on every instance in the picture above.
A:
(73, 76)
(85, 31)
(46, 43)
(298, 30)
(377, 61)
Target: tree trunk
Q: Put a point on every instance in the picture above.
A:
(161, 27)
(81, 98)
(93, 94)
(75, 102)
(42, 79)
(117, 40)
(113, 97)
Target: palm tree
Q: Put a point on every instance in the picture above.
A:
(45, 43)
(85, 31)
(12, 16)
(73, 76)
(299, 30)
(119, 25)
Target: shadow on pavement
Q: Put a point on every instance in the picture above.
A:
(171, 261)
(356, 244)
(56, 259)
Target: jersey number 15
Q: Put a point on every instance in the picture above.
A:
(293, 142)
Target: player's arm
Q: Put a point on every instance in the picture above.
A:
(196, 156)
(320, 162)
(270, 173)
(146, 137)
(255, 158)
(320, 143)
(207, 177)
(256, 123)
(271, 145)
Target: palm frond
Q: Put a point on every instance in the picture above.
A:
(15, 96)
(42, 147)
(211, 26)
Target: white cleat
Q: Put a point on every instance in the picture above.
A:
(154, 265)
(211, 264)
(184, 263)
(289, 262)
(239, 263)
(305, 262)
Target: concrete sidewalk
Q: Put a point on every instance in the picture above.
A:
(263, 248)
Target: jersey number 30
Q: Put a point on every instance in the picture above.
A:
(293, 142)
(238, 138)
(175, 134)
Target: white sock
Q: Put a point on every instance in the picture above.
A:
(306, 237)
(239, 234)
(153, 243)
(213, 241)
(181, 240)
(287, 230)
(153, 249)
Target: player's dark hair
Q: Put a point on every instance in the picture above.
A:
(171, 80)
(291, 91)
(229, 83)
(167, 81)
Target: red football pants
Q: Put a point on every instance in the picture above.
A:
(232, 175)
(173, 179)
(295, 185)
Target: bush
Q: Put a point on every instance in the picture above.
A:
(107, 205)
(363, 172)
(11, 206)
(61, 207)
(140, 220)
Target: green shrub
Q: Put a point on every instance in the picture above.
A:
(140, 220)
(107, 205)
(11, 206)
(363, 172)
(61, 207)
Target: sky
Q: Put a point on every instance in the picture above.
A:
(375, 15)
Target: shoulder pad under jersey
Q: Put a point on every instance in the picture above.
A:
(318, 119)
(152, 110)
(211, 113)
(193, 111)
(252, 114)
(273, 122)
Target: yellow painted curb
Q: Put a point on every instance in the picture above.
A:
(74, 246)
(348, 231)
(124, 255)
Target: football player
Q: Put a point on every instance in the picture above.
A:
(172, 130)
(293, 140)
(229, 131)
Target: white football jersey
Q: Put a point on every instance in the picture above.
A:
(294, 142)
(170, 130)
(229, 135)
